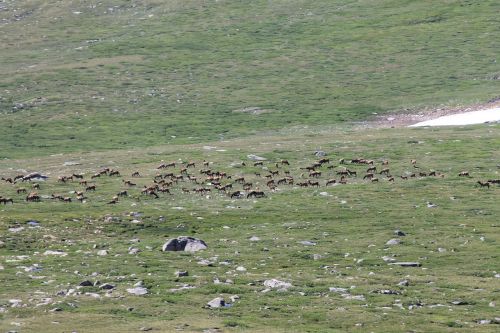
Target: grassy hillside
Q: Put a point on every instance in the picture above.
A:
(347, 227)
(80, 76)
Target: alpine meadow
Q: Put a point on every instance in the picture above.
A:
(248, 166)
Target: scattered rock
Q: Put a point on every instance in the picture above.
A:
(353, 297)
(55, 253)
(399, 233)
(183, 243)
(388, 292)
(459, 302)
(254, 239)
(145, 329)
(102, 253)
(217, 302)
(86, 283)
(393, 241)
(307, 243)
(107, 286)
(234, 298)
(256, 158)
(277, 284)
(404, 283)
(181, 273)
(137, 291)
(406, 264)
(241, 269)
(133, 250)
(339, 290)
(319, 153)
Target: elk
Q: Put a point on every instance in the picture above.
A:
(464, 174)
(129, 183)
(122, 194)
(324, 160)
(33, 196)
(384, 171)
(90, 188)
(258, 164)
(385, 162)
(77, 176)
(190, 164)
(284, 162)
(374, 180)
(8, 180)
(114, 173)
(483, 184)
(369, 176)
(136, 174)
(371, 169)
(256, 194)
(315, 174)
(113, 201)
(404, 177)
(413, 162)
(21, 190)
(331, 182)
(312, 183)
(236, 195)
(391, 179)
(6, 200)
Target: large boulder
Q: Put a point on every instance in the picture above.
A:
(183, 243)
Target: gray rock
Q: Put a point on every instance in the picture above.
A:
(277, 284)
(133, 250)
(102, 253)
(181, 273)
(399, 233)
(406, 264)
(254, 239)
(183, 243)
(86, 283)
(107, 286)
(404, 283)
(393, 241)
(307, 243)
(256, 158)
(137, 291)
(217, 302)
(319, 153)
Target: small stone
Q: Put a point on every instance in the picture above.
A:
(234, 298)
(183, 243)
(133, 250)
(181, 273)
(102, 253)
(307, 243)
(404, 283)
(319, 153)
(137, 291)
(399, 233)
(145, 329)
(393, 241)
(55, 253)
(407, 264)
(86, 283)
(254, 239)
(56, 310)
(107, 286)
(216, 303)
(241, 269)
(484, 322)
(277, 284)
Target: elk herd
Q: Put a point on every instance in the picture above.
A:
(183, 178)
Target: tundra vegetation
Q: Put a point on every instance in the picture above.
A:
(209, 119)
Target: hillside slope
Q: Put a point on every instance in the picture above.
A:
(88, 76)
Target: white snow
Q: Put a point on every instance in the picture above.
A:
(467, 118)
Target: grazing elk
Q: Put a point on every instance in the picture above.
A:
(331, 182)
(90, 188)
(33, 197)
(136, 174)
(483, 184)
(256, 194)
(236, 195)
(384, 171)
(21, 190)
(6, 200)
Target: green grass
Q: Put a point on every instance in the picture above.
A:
(147, 74)
(350, 228)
